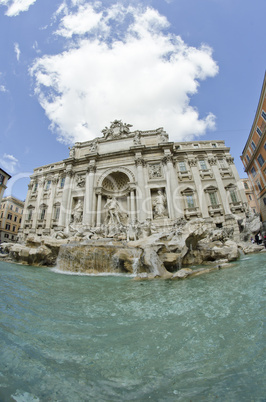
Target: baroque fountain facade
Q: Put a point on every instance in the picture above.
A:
(133, 200)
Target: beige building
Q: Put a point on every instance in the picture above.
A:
(127, 177)
(4, 177)
(254, 154)
(11, 211)
(251, 198)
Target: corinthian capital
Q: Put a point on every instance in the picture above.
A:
(167, 158)
(139, 161)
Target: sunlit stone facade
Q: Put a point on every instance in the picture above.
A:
(149, 177)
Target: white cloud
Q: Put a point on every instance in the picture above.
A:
(9, 163)
(3, 88)
(35, 46)
(122, 64)
(15, 7)
(84, 21)
(17, 50)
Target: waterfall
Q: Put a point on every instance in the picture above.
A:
(135, 265)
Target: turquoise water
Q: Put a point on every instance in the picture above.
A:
(88, 338)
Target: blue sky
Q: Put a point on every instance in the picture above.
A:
(68, 68)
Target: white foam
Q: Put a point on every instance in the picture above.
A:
(60, 271)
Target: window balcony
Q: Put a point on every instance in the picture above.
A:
(237, 206)
(215, 209)
(192, 212)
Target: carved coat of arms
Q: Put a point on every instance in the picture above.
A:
(117, 129)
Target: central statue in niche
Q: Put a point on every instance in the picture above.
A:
(113, 211)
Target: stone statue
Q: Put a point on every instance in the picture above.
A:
(71, 152)
(133, 230)
(94, 146)
(147, 228)
(136, 139)
(159, 205)
(113, 211)
(78, 212)
(163, 137)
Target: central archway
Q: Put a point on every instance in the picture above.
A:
(118, 184)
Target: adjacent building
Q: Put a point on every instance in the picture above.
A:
(11, 211)
(251, 198)
(4, 177)
(140, 173)
(254, 154)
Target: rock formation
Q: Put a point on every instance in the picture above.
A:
(142, 249)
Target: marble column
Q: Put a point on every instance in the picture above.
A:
(176, 209)
(203, 204)
(132, 206)
(64, 202)
(220, 185)
(26, 211)
(89, 192)
(99, 209)
(141, 190)
(38, 203)
(50, 208)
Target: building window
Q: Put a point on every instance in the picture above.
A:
(264, 200)
(9, 216)
(196, 145)
(213, 198)
(35, 187)
(48, 185)
(16, 209)
(62, 182)
(260, 160)
(56, 213)
(253, 145)
(214, 145)
(203, 165)
(6, 235)
(263, 114)
(182, 167)
(42, 214)
(19, 220)
(7, 226)
(14, 228)
(233, 196)
(2, 214)
(253, 171)
(250, 197)
(265, 146)
(248, 159)
(15, 218)
(190, 201)
(2, 178)
(259, 185)
(246, 185)
(259, 131)
(11, 207)
(29, 214)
